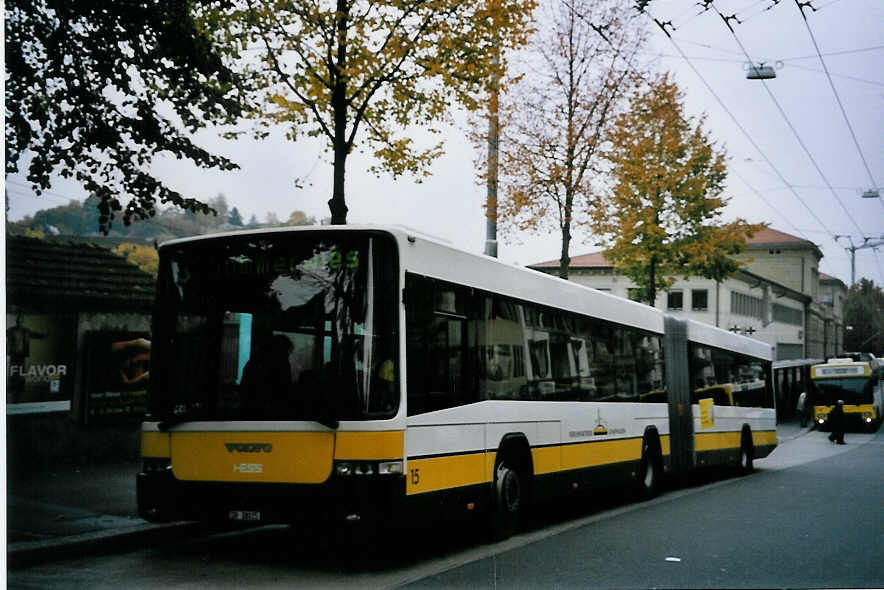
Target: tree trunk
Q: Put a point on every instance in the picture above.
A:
(337, 205)
(565, 259)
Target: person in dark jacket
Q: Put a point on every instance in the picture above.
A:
(267, 379)
(803, 409)
(837, 421)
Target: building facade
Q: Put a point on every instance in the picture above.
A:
(832, 295)
(77, 353)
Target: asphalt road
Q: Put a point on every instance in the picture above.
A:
(820, 524)
(811, 516)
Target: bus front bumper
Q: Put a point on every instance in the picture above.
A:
(361, 499)
(863, 415)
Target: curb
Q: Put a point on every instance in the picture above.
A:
(800, 432)
(29, 553)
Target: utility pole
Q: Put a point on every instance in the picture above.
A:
(493, 158)
(867, 243)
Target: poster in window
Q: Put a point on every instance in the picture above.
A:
(40, 354)
(117, 374)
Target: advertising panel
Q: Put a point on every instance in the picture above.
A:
(117, 373)
(40, 358)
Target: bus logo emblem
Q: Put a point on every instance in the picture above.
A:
(248, 447)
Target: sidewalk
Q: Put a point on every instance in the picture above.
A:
(73, 510)
(791, 429)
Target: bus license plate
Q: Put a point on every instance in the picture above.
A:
(244, 515)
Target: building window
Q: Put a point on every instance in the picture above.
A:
(787, 315)
(675, 300)
(747, 305)
(699, 299)
(785, 352)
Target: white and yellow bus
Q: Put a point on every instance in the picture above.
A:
(858, 383)
(362, 374)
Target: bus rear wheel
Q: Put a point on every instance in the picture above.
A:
(648, 476)
(508, 500)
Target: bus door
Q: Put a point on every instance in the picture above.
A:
(681, 420)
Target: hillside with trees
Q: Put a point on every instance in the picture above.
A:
(82, 220)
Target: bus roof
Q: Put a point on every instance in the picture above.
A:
(712, 336)
(796, 363)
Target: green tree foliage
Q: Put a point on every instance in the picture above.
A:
(365, 71)
(864, 316)
(89, 90)
(663, 216)
(235, 217)
(75, 219)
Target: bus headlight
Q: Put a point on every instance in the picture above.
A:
(390, 467)
(821, 419)
(867, 416)
(351, 468)
(348, 468)
(153, 464)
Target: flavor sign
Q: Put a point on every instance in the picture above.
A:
(40, 354)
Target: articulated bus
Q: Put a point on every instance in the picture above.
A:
(858, 383)
(362, 374)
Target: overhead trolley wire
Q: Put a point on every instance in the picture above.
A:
(816, 46)
(845, 76)
(641, 7)
(789, 122)
(785, 59)
(820, 55)
(769, 204)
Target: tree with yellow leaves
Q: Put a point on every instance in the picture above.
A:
(580, 67)
(144, 257)
(365, 71)
(663, 216)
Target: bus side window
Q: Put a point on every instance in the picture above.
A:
(649, 369)
(438, 345)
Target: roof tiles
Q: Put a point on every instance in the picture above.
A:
(60, 274)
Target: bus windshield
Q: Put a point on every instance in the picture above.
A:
(853, 390)
(288, 326)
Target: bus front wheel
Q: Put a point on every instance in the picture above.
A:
(747, 454)
(507, 500)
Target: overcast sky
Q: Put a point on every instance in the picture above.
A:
(763, 126)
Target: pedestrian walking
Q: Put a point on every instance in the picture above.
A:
(803, 409)
(837, 421)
